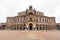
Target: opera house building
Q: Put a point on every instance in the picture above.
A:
(30, 19)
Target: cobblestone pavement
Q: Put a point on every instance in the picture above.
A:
(32, 36)
(29, 35)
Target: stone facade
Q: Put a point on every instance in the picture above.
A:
(58, 26)
(30, 19)
(2, 26)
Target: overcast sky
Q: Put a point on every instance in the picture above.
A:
(10, 8)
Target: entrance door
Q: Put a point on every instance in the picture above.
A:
(30, 26)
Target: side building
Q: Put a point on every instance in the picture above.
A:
(2, 26)
(58, 26)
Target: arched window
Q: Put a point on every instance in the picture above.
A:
(36, 25)
(36, 19)
(24, 26)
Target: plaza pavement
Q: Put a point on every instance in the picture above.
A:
(29, 35)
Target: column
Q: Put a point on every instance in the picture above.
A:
(16, 26)
(42, 27)
(19, 26)
(38, 27)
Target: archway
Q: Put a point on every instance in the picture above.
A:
(30, 26)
